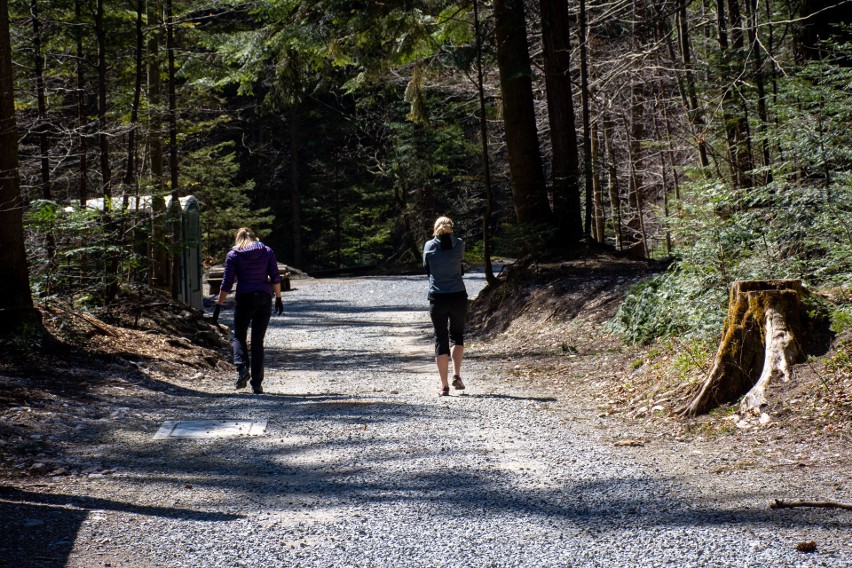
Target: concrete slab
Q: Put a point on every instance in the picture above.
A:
(210, 429)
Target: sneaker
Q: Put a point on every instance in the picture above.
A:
(257, 389)
(243, 376)
(457, 383)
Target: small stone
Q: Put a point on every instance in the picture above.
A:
(764, 419)
(807, 546)
(39, 468)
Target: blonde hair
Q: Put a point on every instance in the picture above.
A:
(443, 226)
(244, 237)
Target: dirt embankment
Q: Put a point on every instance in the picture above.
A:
(544, 325)
(146, 341)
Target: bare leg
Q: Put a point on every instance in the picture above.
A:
(443, 363)
(457, 351)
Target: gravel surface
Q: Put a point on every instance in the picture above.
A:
(364, 465)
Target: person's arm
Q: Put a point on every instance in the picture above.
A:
(224, 287)
(279, 304)
(275, 276)
(426, 260)
(228, 276)
(272, 270)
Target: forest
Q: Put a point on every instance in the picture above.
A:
(638, 185)
(712, 135)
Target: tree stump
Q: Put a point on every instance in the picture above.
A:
(758, 345)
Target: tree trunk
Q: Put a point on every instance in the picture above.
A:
(160, 275)
(612, 180)
(696, 116)
(295, 193)
(780, 354)
(758, 344)
(671, 153)
(597, 192)
(82, 121)
(636, 135)
(756, 51)
(111, 269)
(16, 304)
(734, 116)
(744, 159)
(130, 169)
(664, 173)
(486, 162)
(43, 134)
(173, 149)
(41, 98)
(585, 97)
(528, 188)
(560, 108)
(103, 139)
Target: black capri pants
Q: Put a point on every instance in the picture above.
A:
(447, 309)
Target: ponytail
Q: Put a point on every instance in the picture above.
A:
(244, 237)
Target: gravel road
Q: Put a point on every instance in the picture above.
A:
(363, 464)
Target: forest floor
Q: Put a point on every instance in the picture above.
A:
(543, 334)
(552, 329)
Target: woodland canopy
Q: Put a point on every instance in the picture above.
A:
(712, 133)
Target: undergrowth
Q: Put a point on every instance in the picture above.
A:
(759, 237)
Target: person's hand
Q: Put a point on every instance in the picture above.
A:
(279, 306)
(216, 311)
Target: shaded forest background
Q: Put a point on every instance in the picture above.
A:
(713, 134)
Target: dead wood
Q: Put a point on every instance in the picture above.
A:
(100, 326)
(757, 310)
(781, 504)
(780, 353)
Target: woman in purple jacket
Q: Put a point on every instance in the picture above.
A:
(253, 265)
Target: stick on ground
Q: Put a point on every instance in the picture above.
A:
(781, 504)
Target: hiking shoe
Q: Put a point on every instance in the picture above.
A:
(243, 378)
(457, 383)
(257, 389)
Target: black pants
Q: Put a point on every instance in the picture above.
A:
(451, 309)
(255, 309)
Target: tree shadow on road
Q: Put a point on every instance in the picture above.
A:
(509, 397)
(40, 529)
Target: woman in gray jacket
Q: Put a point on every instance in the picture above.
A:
(442, 258)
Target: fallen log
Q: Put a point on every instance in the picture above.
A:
(781, 504)
(758, 345)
